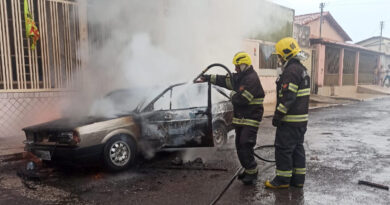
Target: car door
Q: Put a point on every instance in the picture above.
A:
(189, 123)
(155, 119)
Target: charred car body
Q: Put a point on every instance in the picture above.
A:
(183, 115)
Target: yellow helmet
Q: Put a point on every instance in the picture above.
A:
(287, 48)
(242, 58)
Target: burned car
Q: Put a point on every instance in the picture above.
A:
(182, 115)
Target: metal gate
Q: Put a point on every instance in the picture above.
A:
(349, 67)
(55, 60)
(367, 65)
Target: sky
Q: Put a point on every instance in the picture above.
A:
(359, 18)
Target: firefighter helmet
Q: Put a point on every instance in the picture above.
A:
(287, 48)
(242, 58)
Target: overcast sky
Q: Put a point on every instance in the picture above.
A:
(359, 18)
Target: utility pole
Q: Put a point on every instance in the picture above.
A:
(322, 5)
(380, 38)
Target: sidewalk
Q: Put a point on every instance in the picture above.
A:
(11, 146)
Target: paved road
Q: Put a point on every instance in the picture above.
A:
(344, 144)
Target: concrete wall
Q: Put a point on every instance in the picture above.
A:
(252, 48)
(328, 32)
(320, 66)
(341, 91)
(308, 62)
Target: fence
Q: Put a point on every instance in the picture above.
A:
(55, 61)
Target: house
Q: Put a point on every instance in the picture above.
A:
(34, 82)
(339, 66)
(380, 44)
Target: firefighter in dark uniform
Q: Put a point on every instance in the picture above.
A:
(291, 117)
(247, 97)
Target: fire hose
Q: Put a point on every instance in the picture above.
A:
(239, 170)
(216, 65)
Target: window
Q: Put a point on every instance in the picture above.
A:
(217, 97)
(349, 62)
(163, 103)
(266, 59)
(189, 96)
(332, 60)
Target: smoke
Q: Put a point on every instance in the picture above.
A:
(138, 43)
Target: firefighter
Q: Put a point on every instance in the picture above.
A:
(247, 97)
(291, 116)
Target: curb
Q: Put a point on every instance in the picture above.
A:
(13, 157)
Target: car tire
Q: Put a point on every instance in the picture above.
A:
(119, 152)
(219, 134)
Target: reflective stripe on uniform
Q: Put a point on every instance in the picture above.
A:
(251, 171)
(213, 79)
(299, 171)
(283, 173)
(247, 95)
(296, 118)
(253, 123)
(303, 92)
(282, 108)
(300, 93)
(228, 83)
(232, 93)
(293, 87)
(256, 101)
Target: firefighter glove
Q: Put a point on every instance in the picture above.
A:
(277, 119)
(276, 122)
(203, 78)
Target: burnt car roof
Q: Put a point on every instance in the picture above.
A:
(120, 98)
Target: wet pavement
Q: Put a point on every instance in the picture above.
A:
(344, 144)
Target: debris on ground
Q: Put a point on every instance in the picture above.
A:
(177, 161)
(314, 158)
(375, 185)
(196, 164)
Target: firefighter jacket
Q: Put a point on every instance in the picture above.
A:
(247, 96)
(293, 92)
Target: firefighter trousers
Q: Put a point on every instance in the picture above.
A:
(290, 154)
(245, 141)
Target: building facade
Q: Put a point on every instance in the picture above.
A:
(339, 66)
(34, 82)
(380, 44)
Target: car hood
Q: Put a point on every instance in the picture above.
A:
(65, 124)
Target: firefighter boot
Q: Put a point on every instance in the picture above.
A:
(297, 180)
(248, 177)
(277, 183)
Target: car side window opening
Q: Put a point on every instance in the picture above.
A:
(217, 97)
(189, 96)
(163, 103)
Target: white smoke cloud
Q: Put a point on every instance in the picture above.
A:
(147, 43)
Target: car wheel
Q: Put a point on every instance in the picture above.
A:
(119, 152)
(219, 134)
